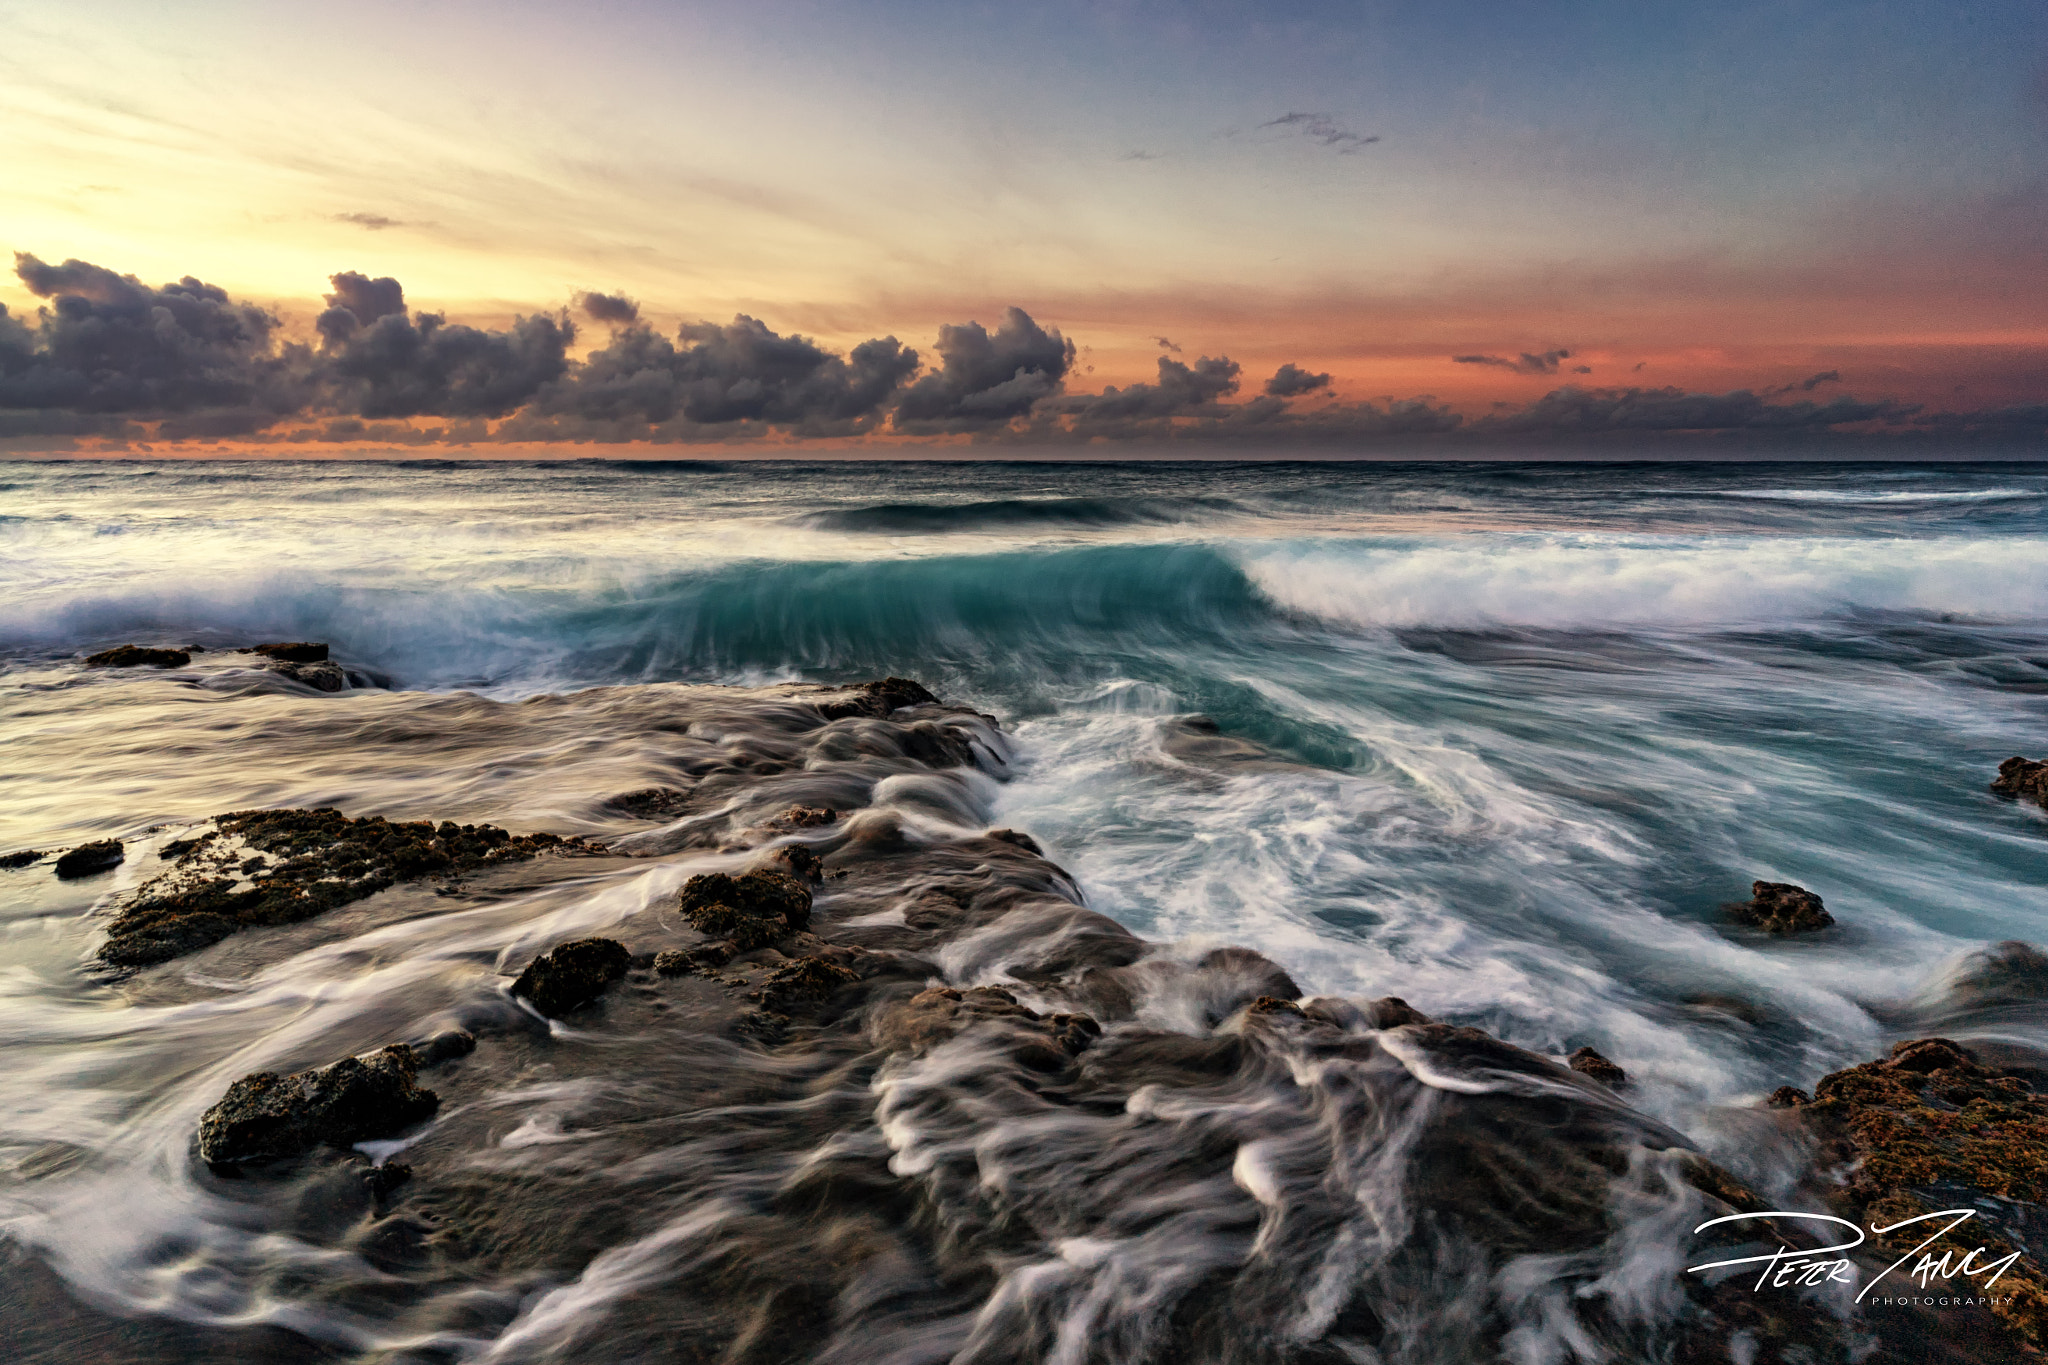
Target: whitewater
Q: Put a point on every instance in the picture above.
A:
(1499, 739)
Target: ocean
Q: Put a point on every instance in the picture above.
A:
(1499, 739)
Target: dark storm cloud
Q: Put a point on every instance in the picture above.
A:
(1575, 410)
(375, 222)
(1323, 129)
(1525, 363)
(616, 309)
(1292, 381)
(985, 380)
(1181, 390)
(742, 371)
(108, 343)
(426, 366)
(358, 301)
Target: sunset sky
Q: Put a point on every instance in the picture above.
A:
(1601, 196)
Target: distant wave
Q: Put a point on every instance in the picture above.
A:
(1862, 497)
(924, 518)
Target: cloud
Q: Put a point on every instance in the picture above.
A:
(1181, 390)
(1545, 363)
(742, 371)
(1825, 377)
(1291, 381)
(1139, 154)
(616, 309)
(986, 380)
(1582, 369)
(426, 366)
(1574, 410)
(357, 301)
(1321, 128)
(110, 344)
(375, 222)
(1166, 344)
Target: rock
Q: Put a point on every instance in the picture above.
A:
(324, 677)
(751, 910)
(807, 980)
(1788, 1097)
(381, 1181)
(1929, 1127)
(1039, 1041)
(1017, 837)
(682, 962)
(572, 974)
(1781, 908)
(2008, 973)
(1587, 1062)
(137, 656)
(258, 867)
(10, 861)
(804, 817)
(266, 1117)
(2022, 777)
(291, 652)
(877, 699)
(87, 859)
(445, 1047)
(800, 862)
(1391, 1011)
(650, 803)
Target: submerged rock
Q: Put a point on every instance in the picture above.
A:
(807, 980)
(324, 677)
(572, 974)
(281, 866)
(2022, 777)
(1017, 837)
(21, 858)
(650, 803)
(804, 817)
(87, 859)
(266, 1117)
(138, 656)
(291, 652)
(751, 911)
(1587, 1062)
(800, 862)
(1781, 908)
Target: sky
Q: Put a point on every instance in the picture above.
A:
(1498, 219)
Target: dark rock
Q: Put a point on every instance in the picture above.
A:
(445, 1047)
(291, 652)
(23, 858)
(1788, 1097)
(807, 980)
(381, 1181)
(1781, 908)
(266, 1117)
(877, 699)
(1040, 1042)
(2023, 777)
(324, 677)
(2008, 973)
(650, 803)
(752, 910)
(1271, 1004)
(683, 961)
(937, 746)
(1391, 1011)
(804, 817)
(1019, 838)
(87, 859)
(1587, 1062)
(136, 656)
(304, 862)
(800, 862)
(572, 974)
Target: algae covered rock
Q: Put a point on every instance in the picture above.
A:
(751, 911)
(87, 859)
(877, 698)
(1590, 1063)
(21, 858)
(572, 974)
(259, 867)
(322, 677)
(291, 651)
(138, 656)
(267, 1117)
(1781, 908)
(2022, 778)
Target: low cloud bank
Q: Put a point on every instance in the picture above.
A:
(108, 357)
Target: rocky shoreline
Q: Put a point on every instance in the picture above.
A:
(936, 1064)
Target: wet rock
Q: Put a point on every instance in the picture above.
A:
(445, 1047)
(262, 867)
(1787, 1097)
(23, 858)
(804, 817)
(1391, 1011)
(752, 910)
(267, 1117)
(87, 859)
(1039, 1041)
(1587, 1062)
(650, 803)
(383, 1181)
(291, 651)
(806, 981)
(683, 961)
(1930, 1127)
(1017, 837)
(800, 862)
(1781, 908)
(572, 974)
(937, 746)
(138, 656)
(324, 677)
(877, 699)
(2008, 973)
(2023, 778)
